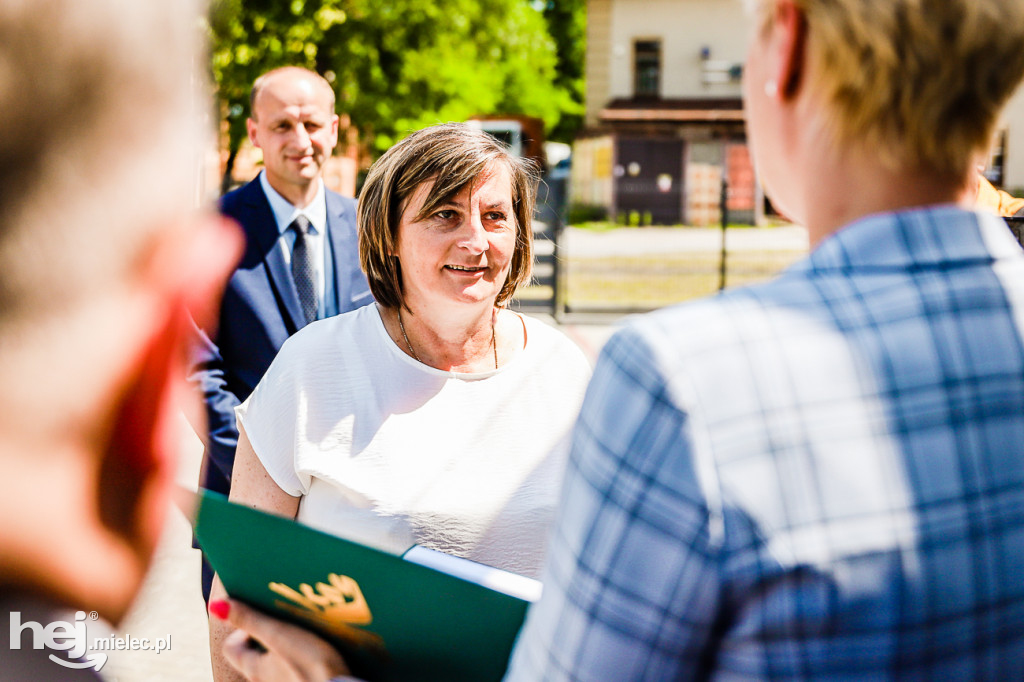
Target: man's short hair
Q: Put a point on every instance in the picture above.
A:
(257, 85)
(452, 156)
(921, 81)
(99, 109)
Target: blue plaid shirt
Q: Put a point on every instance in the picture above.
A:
(821, 477)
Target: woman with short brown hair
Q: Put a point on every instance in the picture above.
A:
(437, 416)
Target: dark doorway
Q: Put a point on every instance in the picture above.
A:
(648, 181)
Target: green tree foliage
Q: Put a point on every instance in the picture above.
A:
(249, 37)
(398, 65)
(566, 22)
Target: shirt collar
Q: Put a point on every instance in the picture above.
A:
(932, 236)
(285, 212)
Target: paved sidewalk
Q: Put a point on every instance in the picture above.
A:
(588, 331)
(171, 604)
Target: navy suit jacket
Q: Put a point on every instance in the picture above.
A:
(260, 310)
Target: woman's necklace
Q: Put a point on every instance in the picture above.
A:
(412, 351)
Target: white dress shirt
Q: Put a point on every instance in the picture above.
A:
(316, 212)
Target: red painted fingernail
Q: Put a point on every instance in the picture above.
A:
(220, 609)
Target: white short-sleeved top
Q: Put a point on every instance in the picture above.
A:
(391, 452)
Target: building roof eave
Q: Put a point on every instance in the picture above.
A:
(691, 116)
(682, 110)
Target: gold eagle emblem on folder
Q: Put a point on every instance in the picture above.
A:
(339, 601)
(336, 606)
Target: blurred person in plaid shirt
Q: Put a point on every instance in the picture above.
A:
(821, 477)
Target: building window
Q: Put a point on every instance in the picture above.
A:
(647, 62)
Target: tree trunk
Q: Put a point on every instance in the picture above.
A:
(226, 181)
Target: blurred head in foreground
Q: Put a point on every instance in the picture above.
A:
(100, 249)
(913, 86)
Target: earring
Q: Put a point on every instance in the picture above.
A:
(771, 88)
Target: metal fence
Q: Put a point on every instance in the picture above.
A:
(619, 270)
(547, 288)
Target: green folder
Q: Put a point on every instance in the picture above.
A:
(392, 618)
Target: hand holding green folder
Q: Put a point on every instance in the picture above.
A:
(422, 616)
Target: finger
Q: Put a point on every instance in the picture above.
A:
(267, 633)
(241, 656)
(260, 627)
(288, 644)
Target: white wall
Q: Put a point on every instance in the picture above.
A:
(1013, 118)
(683, 26)
(598, 61)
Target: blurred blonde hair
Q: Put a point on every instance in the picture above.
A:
(103, 135)
(920, 81)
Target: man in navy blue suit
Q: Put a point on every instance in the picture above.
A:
(301, 260)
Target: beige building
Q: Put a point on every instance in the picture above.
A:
(664, 117)
(1007, 167)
